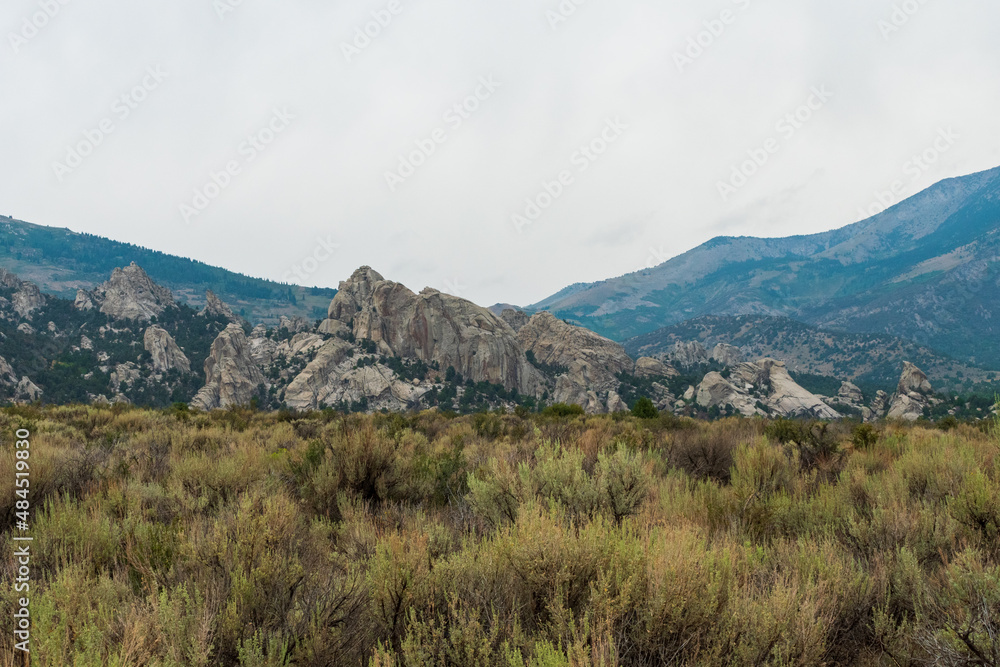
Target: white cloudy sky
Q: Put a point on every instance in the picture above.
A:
(652, 194)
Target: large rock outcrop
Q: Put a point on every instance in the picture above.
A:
(27, 297)
(216, 307)
(688, 354)
(333, 377)
(130, 294)
(232, 377)
(435, 328)
(648, 367)
(164, 350)
(592, 361)
(913, 395)
(727, 355)
(762, 383)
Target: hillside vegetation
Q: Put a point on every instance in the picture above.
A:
(61, 262)
(186, 539)
(925, 270)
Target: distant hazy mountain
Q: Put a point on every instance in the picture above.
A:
(926, 270)
(60, 262)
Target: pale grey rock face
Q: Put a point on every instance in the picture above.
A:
(86, 343)
(880, 403)
(216, 307)
(7, 375)
(913, 380)
(688, 354)
(517, 319)
(294, 324)
(301, 343)
(593, 362)
(232, 377)
(615, 403)
(727, 355)
(26, 328)
(331, 378)
(913, 395)
(164, 350)
(83, 300)
(330, 327)
(435, 328)
(851, 397)
(27, 391)
(27, 299)
(131, 294)
(648, 367)
(126, 373)
(766, 382)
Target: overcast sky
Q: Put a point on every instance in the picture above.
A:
(255, 134)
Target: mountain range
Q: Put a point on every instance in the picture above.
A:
(826, 325)
(926, 270)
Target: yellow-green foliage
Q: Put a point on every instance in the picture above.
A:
(240, 538)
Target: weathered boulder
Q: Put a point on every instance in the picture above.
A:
(27, 299)
(688, 354)
(517, 319)
(556, 343)
(331, 378)
(435, 328)
(615, 403)
(232, 377)
(294, 324)
(330, 327)
(264, 350)
(216, 307)
(27, 391)
(164, 350)
(84, 300)
(913, 380)
(131, 294)
(301, 343)
(648, 367)
(914, 394)
(593, 362)
(727, 355)
(765, 382)
(851, 398)
(716, 391)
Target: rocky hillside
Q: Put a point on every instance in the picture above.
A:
(870, 361)
(61, 262)
(927, 270)
(381, 347)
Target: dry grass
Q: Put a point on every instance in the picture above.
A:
(273, 539)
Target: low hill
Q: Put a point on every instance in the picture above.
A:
(61, 261)
(870, 361)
